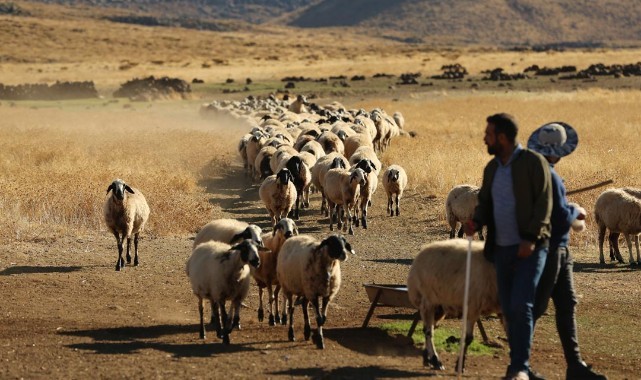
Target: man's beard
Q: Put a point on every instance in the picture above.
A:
(493, 149)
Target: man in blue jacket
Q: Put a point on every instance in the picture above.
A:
(553, 141)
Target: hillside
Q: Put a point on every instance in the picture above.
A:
(506, 23)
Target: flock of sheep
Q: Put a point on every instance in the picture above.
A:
(294, 148)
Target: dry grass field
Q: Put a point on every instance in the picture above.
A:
(67, 314)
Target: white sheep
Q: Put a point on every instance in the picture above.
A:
(230, 231)
(342, 188)
(302, 140)
(331, 143)
(220, 272)
(614, 236)
(126, 212)
(459, 207)
(394, 182)
(310, 269)
(399, 119)
(367, 191)
(366, 153)
(356, 141)
(298, 105)
(436, 283)
(278, 194)
(265, 276)
(320, 169)
(618, 211)
(252, 148)
(315, 148)
(262, 168)
(242, 149)
(366, 122)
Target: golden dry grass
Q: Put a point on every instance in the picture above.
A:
(56, 164)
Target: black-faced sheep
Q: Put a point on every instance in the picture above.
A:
(394, 182)
(310, 269)
(126, 212)
(230, 231)
(278, 194)
(342, 189)
(220, 272)
(320, 169)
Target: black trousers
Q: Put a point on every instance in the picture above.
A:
(557, 283)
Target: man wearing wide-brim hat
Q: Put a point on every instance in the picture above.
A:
(554, 141)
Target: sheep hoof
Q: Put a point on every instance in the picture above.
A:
(320, 343)
(136, 262)
(117, 268)
(202, 335)
(276, 318)
(307, 332)
(364, 223)
(261, 315)
(457, 363)
(290, 334)
(235, 324)
(226, 339)
(271, 320)
(602, 262)
(284, 319)
(351, 231)
(432, 362)
(398, 212)
(128, 259)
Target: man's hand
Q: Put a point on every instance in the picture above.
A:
(469, 227)
(525, 249)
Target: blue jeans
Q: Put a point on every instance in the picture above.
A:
(517, 280)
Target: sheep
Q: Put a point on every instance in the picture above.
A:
(354, 142)
(436, 283)
(280, 157)
(242, 149)
(262, 168)
(315, 148)
(230, 231)
(394, 182)
(399, 119)
(126, 212)
(366, 153)
(302, 178)
(302, 140)
(618, 211)
(265, 275)
(331, 143)
(220, 272)
(342, 188)
(365, 121)
(367, 190)
(613, 238)
(298, 105)
(253, 146)
(320, 169)
(278, 193)
(459, 207)
(311, 269)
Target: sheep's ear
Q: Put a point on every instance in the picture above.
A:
(129, 189)
(389, 175)
(111, 187)
(277, 227)
(372, 164)
(237, 237)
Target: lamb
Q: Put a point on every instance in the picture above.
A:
(342, 188)
(394, 182)
(618, 211)
(311, 269)
(265, 276)
(126, 212)
(436, 283)
(230, 231)
(220, 272)
(278, 193)
(459, 207)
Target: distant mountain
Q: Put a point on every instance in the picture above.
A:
(587, 23)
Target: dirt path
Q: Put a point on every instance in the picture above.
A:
(67, 314)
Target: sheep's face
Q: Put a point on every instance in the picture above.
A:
(358, 175)
(294, 165)
(392, 176)
(118, 188)
(337, 163)
(248, 252)
(253, 233)
(342, 135)
(337, 247)
(284, 176)
(287, 227)
(366, 165)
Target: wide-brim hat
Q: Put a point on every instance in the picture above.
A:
(556, 139)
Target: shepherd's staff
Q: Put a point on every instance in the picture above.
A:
(468, 265)
(591, 187)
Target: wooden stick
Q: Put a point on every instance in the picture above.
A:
(591, 187)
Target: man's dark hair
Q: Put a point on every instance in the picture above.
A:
(504, 123)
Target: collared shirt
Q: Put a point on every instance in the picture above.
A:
(504, 203)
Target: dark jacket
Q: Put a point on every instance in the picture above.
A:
(533, 196)
(563, 214)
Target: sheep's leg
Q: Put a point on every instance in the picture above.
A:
(601, 241)
(306, 197)
(390, 205)
(215, 319)
(120, 263)
(461, 231)
(324, 210)
(331, 215)
(290, 332)
(398, 205)
(636, 243)
(364, 204)
(613, 239)
(320, 320)
(225, 322)
(308, 330)
(430, 358)
(349, 219)
(260, 304)
(276, 314)
(128, 247)
(628, 242)
(136, 249)
(236, 323)
(340, 213)
(481, 238)
(202, 319)
(271, 305)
